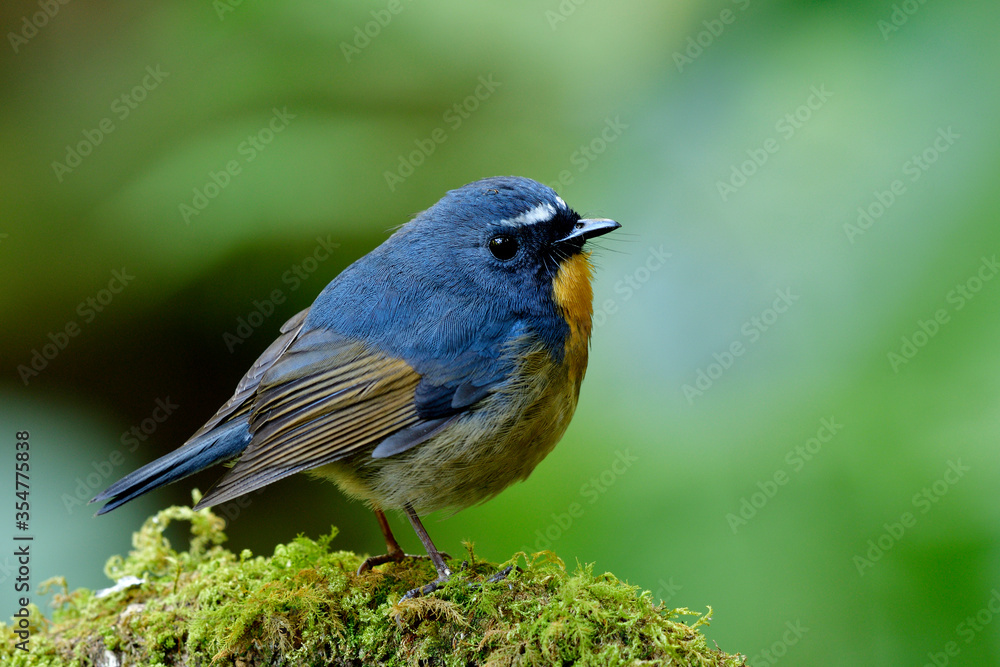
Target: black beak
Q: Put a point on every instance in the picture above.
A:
(588, 228)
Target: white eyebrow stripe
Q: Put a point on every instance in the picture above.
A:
(540, 213)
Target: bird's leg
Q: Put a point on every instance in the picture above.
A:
(394, 554)
(444, 574)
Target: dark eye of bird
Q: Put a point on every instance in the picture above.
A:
(503, 247)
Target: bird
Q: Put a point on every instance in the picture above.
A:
(430, 374)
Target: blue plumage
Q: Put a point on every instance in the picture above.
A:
(430, 373)
(222, 444)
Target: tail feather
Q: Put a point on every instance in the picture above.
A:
(224, 442)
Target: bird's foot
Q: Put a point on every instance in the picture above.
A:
(442, 579)
(495, 577)
(397, 557)
(501, 575)
(427, 589)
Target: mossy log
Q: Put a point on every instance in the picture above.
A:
(306, 606)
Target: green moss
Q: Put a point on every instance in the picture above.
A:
(304, 605)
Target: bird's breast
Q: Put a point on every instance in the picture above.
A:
(573, 296)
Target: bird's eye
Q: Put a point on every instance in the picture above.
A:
(503, 247)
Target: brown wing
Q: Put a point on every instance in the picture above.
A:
(325, 397)
(240, 403)
(222, 438)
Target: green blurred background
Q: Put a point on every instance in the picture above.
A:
(735, 141)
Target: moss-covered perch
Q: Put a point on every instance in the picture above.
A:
(305, 606)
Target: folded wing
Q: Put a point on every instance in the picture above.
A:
(329, 396)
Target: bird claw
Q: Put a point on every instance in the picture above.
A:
(496, 576)
(427, 589)
(397, 557)
(441, 580)
(501, 575)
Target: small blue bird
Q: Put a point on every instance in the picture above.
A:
(431, 373)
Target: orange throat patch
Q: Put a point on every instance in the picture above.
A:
(574, 296)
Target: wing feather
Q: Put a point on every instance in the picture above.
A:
(321, 396)
(325, 398)
(239, 404)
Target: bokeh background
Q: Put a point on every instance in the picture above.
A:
(791, 412)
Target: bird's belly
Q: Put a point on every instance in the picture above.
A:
(483, 451)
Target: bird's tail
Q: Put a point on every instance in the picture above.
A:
(219, 444)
